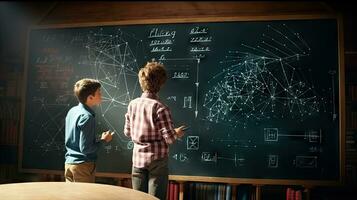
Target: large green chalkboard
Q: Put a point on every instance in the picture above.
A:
(261, 97)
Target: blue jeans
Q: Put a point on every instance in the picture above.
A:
(152, 179)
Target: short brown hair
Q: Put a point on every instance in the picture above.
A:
(152, 76)
(85, 87)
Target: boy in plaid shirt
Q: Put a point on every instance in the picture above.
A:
(149, 125)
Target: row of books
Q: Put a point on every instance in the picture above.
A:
(351, 92)
(351, 157)
(9, 121)
(198, 190)
(12, 85)
(292, 194)
(195, 190)
(172, 191)
(8, 154)
(351, 120)
(7, 173)
(9, 108)
(351, 141)
(213, 191)
(351, 174)
(126, 183)
(207, 191)
(2, 88)
(9, 132)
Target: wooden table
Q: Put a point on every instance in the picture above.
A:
(69, 191)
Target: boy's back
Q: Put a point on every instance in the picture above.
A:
(79, 119)
(148, 123)
(151, 129)
(80, 137)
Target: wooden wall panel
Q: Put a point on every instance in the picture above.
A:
(89, 12)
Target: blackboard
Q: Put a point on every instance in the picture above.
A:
(261, 98)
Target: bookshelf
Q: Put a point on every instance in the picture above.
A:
(9, 131)
(351, 118)
(10, 108)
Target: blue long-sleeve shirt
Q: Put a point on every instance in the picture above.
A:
(80, 137)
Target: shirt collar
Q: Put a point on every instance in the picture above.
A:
(149, 95)
(87, 108)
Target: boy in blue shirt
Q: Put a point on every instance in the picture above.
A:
(80, 137)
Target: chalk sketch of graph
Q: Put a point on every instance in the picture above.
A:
(265, 81)
(48, 127)
(115, 66)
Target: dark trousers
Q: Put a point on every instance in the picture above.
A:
(152, 179)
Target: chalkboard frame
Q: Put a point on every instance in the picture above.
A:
(179, 178)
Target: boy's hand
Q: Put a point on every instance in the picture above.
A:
(107, 136)
(180, 131)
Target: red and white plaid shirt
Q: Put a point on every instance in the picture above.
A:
(149, 125)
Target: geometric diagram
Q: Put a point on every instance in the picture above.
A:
(213, 157)
(306, 161)
(242, 143)
(238, 161)
(193, 142)
(49, 127)
(46, 114)
(263, 82)
(182, 157)
(313, 136)
(270, 134)
(171, 64)
(273, 161)
(115, 66)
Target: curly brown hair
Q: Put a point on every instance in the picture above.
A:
(152, 76)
